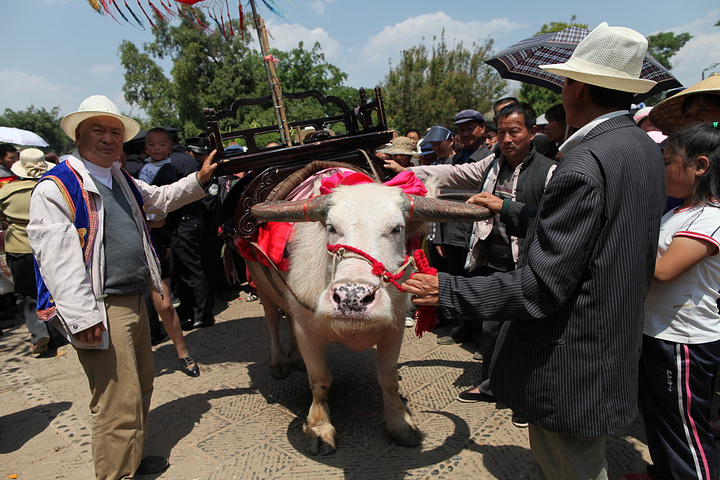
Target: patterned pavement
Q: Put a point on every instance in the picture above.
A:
(236, 422)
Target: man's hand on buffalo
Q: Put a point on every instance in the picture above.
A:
(486, 199)
(424, 289)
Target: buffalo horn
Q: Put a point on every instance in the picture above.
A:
(312, 210)
(435, 210)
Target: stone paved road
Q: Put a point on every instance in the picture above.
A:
(236, 422)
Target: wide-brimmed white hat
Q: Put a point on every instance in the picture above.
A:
(32, 164)
(667, 115)
(609, 57)
(96, 106)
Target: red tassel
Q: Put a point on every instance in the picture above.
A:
(146, 15)
(242, 20)
(157, 11)
(427, 318)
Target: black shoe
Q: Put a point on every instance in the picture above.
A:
(185, 363)
(203, 323)
(152, 464)
(468, 396)
(519, 421)
(185, 326)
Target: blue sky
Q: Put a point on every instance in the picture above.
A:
(57, 52)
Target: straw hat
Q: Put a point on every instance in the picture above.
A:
(96, 106)
(32, 164)
(667, 115)
(400, 146)
(609, 57)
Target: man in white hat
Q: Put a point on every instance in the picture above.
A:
(89, 235)
(569, 362)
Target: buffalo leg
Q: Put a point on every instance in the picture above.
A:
(294, 354)
(398, 422)
(279, 364)
(320, 435)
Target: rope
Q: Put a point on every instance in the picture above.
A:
(427, 317)
(372, 167)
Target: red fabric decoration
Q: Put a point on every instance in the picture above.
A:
(272, 237)
(406, 180)
(427, 318)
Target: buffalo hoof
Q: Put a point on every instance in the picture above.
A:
(281, 369)
(405, 435)
(320, 440)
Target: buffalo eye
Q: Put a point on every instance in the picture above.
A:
(330, 228)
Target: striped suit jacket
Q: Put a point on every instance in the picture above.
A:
(569, 363)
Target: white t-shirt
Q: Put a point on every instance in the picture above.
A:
(147, 175)
(685, 310)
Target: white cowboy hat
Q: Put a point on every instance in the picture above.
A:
(32, 164)
(96, 106)
(609, 57)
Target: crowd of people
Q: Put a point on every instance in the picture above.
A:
(592, 290)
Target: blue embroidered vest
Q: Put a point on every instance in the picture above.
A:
(85, 220)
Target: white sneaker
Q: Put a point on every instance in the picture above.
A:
(409, 322)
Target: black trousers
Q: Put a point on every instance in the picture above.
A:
(192, 285)
(676, 386)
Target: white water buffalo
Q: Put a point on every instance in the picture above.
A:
(338, 296)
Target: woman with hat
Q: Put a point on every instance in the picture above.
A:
(15, 209)
(699, 103)
(401, 150)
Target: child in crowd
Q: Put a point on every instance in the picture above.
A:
(159, 171)
(681, 341)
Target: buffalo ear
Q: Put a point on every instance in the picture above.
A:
(435, 210)
(312, 210)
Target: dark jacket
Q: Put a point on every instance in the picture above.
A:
(458, 234)
(569, 363)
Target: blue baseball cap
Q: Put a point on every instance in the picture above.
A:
(426, 149)
(437, 134)
(467, 115)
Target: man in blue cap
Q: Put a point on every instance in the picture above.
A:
(471, 132)
(440, 139)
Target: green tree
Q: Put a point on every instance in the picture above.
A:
(44, 123)
(662, 46)
(213, 71)
(542, 98)
(429, 87)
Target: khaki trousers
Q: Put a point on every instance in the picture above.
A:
(562, 457)
(121, 384)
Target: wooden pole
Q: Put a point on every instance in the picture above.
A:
(274, 82)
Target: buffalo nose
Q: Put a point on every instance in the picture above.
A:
(352, 297)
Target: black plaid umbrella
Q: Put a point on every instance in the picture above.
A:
(522, 61)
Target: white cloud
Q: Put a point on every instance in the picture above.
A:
(318, 6)
(19, 90)
(102, 70)
(286, 36)
(370, 63)
(700, 52)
